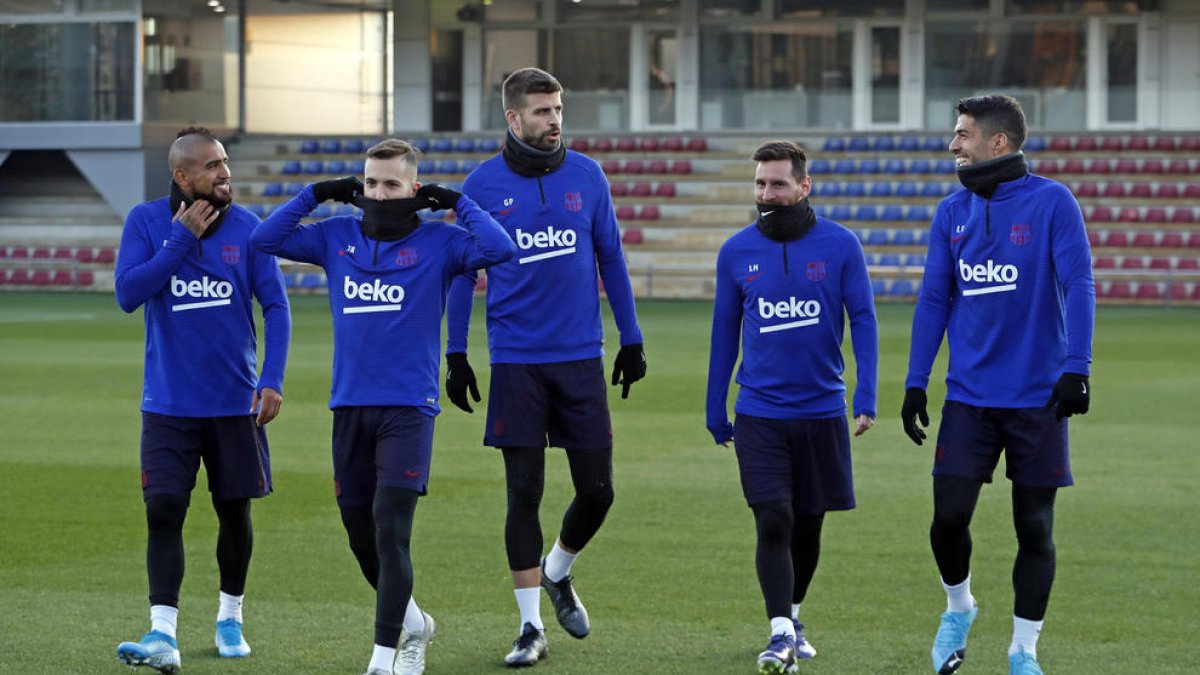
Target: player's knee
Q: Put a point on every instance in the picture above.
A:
(234, 513)
(166, 512)
(598, 497)
(1034, 531)
(524, 494)
(774, 521)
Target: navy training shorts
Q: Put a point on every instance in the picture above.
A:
(563, 405)
(389, 446)
(234, 451)
(804, 462)
(1035, 446)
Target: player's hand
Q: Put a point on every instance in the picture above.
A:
(339, 189)
(915, 405)
(459, 378)
(629, 367)
(723, 434)
(439, 196)
(267, 406)
(197, 217)
(862, 423)
(1071, 396)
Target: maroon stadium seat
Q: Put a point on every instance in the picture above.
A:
(1167, 191)
(611, 167)
(1129, 214)
(633, 236)
(1126, 165)
(1179, 167)
(626, 144)
(681, 167)
(62, 253)
(648, 145)
(1133, 263)
(84, 278)
(1189, 144)
(650, 212)
(1160, 263)
(618, 189)
(41, 254)
(1114, 190)
(3, 252)
(1140, 191)
(1149, 291)
(1152, 166)
(1073, 166)
(1099, 166)
(602, 145)
(1117, 239)
(1194, 240)
(657, 166)
(1171, 240)
(1120, 290)
(1138, 144)
(1093, 238)
(106, 256)
(1085, 144)
(697, 145)
(1143, 240)
(1101, 214)
(61, 278)
(665, 190)
(1048, 166)
(673, 144)
(581, 145)
(1192, 191)
(1183, 214)
(40, 278)
(1112, 144)
(641, 190)
(19, 278)
(1164, 144)
(1087, 189)
(85, 254)
(1155, 214)
(3, 276)
(1060, 144)
(1178, 292)
(625, 213)
(1105, 263)
(634, 166)
(1188, 264)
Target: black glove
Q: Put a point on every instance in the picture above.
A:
(439, 196)
(915, 405)
(459, 378)
(1071, 395)
(338, 189)
(629, 367)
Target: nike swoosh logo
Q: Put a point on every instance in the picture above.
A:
(1084, 389)
(752, 277)
(764, 214)
(411, 474)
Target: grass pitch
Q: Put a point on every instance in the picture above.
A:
(669, 581)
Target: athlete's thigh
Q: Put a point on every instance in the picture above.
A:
(518, 407)
(236, 458)
(354, 455)
(403, 448)
(765, 458)
(1037, 448)
(969, 442)
(578, 404)
(822, 474)
(170, 454)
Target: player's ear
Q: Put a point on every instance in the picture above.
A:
(415, 186)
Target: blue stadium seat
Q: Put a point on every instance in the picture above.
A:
(923, 237)
(918, 213)
(840, 213)
(944, 166)
(868, 166)
(876, 237)
(827, 189)
(468, 165)
(442, 145)
(311, 280)
(293, 189)
(892, 212)
(902, 288)
(447, 166)
(878, 287)
(931, 189)
(345, 210)
(818, 167)
(904, 238)
(820, 210)
(906, 189)
(426, 166)
(935, 144)
(909, 144)
(854, 189)
(314, 167)
(256, 209)
(920, 166)
(331, 147)
(881, 189)
(866, 212)
(273, 190)
(323, 210)
(1034, 144)
(844, 166)
(871, 258)
(858, 144)
(310, 147)
(290, 281)
(487, 145)
(884, 144)
(464, 145)
(335, 166)
(914, 260)
(889, 260)
(894, 166)
(357, 167)
(356, 146)
(422, 144)
(834, 144)
(290, 168)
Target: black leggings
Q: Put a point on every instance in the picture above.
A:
(379, 537)
(954, 501)
(786, 555)
(525, 473)
(165, 515)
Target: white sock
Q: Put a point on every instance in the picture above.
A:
(529, 601)
(558, 562)
(795, 611)
(382, 658)
(958, 597)
(414, 619)
(1025, 636)
(164, 618)
(782, 625)
(231, 607)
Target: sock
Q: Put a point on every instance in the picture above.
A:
(558, 562)
(782, 625)
(1025, 636)
(529, 601)
(796, 612)
(414, 619)
(958, 597)
(164, 618)
(382, 658)
(231, 607)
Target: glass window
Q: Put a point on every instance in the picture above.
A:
(724, 9)
(1122, 72)
(958, 5)
(767, 77)
(1059, 7)
(67, 72)
(570, 11)
(86, 6)
(186, 74)
(798, 9)
(593, 66)
(503, 52)
(31, 7)
(1041, 63)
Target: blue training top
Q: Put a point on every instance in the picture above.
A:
(790, 301)
(543, 305)
(200, 335)
(1009, 280)
(387, 297)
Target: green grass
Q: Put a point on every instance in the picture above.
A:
(669, 581)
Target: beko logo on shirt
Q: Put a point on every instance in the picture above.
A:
(385, 298)
(562, 241)
(807, 311)
(1000, 278)
(209, 292)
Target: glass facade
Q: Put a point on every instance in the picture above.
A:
(776, 76)
(190, 68)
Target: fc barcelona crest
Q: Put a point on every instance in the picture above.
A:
(406, 257)
(1020, 235)
(231, 253)
(573, 201)
(815, 270)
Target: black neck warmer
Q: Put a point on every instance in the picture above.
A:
(984, 177)
(785, 223)
(526, 160)
(390, 219)
(177, 197)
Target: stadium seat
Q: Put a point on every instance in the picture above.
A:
(681, 167)
(1178, 167)
(106, 256)
(664, 190)
(19, 278)
(331, 147)
(906, 189)
(355, 146)
(1177, 292)
(920, 166)
(945, 166)
(61, 278)
(1193, 240)
(1167, 191)
(1087, 189)
(641, 190)
(1171, 240)
(902, 288)
(932, 190)
(40, 278)
(657, 166)
(883, 144)
(626, 213)
(41, 254)
(834, 144)
(1105, 263)
(1047, 167)
(335, 167)
(908, 144)
(85, 254)
(914, 260)
(1126, 165)
(845, 166)
(1060, 144)
(62, 253)
(311, 280)
(1113, 190)
(935, 144)
(1073, 166)
(875, 237)
(649, 212)
(1183, 214)
(881, 189)
(1151, 166)
(426, 166)
(619, 189)
(1159, 264)
(841, 213)
(85, 278)
(464, 145)
(632, 236)
(602, 145)
(1154, 214)
(1120, 290)
(866, 212)
(468, 165)
(854, 189)
(1138, 144)
(580, 144)
(827, 189)
(611, 167)
(310, 147)
(1192, 191)
(1164, 144)
(878, 287)
(487, 145)
(858, 144)
(291, 168)
(423, 145)
(1140, 191)
(257, 209)
(818, 167)
(892, 212)
(1099, 166)
(1149, 291)
(1189, 144)
(1129, 214)
(889, 260)
(1034, 144)
(672, 144)
(314, 167)
(447, 166)
(894, 166)
(648, 144)
(634, 166)
(918, 213)
(1133, 263)
(1188, 264)
(626, 144)
(1093, 238)
(1117, 239)
(441, 145)
(1086, 144)
(904, 238)
(1101, 214)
